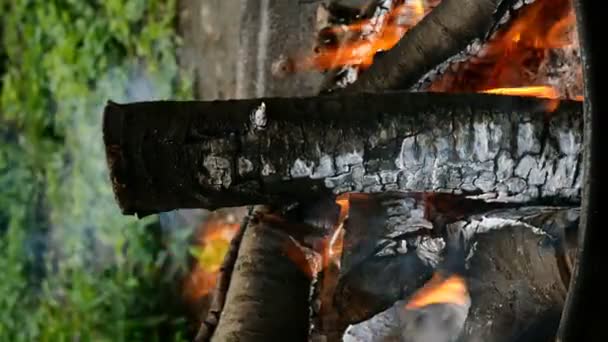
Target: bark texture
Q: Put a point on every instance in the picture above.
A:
(515, 286)
(443, 33)
(267, 299)
(513, 280)
(581, 321)
(394, 241)
(167, 155)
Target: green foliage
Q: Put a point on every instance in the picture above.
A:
(102, 272)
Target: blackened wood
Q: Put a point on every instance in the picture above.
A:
(582, 315)
(514, 283)
(443, 33)
(267, 298)
(167, 155)
(514, 279)
(375, 284)
(380, 227)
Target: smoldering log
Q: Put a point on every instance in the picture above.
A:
(514, 283)
(391, 245)
(166, 155)
(267, 298)
(443, 33)
(515, 279)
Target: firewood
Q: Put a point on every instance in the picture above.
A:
(515, 286)
(166, 155)
(447, 30)
(268, 295)
(219, 293)
(385, 260)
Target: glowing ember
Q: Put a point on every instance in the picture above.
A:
(211, 245)
(450, 290)
(371, 36)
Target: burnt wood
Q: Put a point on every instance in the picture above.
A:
(583, 312)
(515, 286)
(391, 247)
(166, 155)
(443, 33)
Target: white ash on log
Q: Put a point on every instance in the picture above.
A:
(166, 155)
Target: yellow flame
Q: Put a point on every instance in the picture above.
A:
(547, 92)
(451, 290)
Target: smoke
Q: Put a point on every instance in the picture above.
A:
(87, 225)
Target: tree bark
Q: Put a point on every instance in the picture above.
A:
(268, 295)
(167, 155)
(444, 32)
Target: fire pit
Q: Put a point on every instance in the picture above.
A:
(448, 210)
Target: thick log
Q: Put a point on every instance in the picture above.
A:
(167, 155)
(444, 32)
(391, 245)
(515, 286)
(268, 295)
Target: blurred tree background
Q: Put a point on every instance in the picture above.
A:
(72, 268)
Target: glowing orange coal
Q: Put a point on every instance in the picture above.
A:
(441, 290)
(370, 36)
(210, 246)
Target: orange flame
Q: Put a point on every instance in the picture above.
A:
(336, 241)
(509, 61)
(547, 92)
(450, 290)
(211, 244)
(371, 36)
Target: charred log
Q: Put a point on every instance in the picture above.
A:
(514, 280)
(167, 155)
(267, 298)
(515, 286)
(581, 321)
(443, 33)
(385, 232)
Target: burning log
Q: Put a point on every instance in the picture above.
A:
(167, 155)
(515, 284)
(443, 33)
(392, 242)
(267, 295)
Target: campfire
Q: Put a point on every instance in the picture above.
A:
(430, 192)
